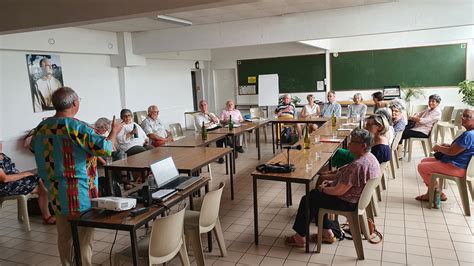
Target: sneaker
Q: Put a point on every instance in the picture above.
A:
(240, 149)
(220, 161)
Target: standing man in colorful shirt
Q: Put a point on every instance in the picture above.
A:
(154, 129)
(65, 152)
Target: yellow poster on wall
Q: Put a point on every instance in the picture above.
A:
(252, 80)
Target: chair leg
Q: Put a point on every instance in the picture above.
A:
(375, 206)
(195, 238)
(462, 186)
(431, 192)
(220, 238)
(370, 210)
(379, 194)
(382, 183)
(469, 185)
(405, 147)
(410, 146)
(425, 149)
(392, 166)
(453, 132)
(355, 230)
(23, 204)
(364, 225)
(183, 253)
(442, 132)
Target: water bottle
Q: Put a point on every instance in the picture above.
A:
(437, 201)
(135, 132)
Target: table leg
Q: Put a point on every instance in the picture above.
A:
(226, 161)
(76, 244)
(232, 167)
(234, 144)
(133, 244)
(257, 140)
(307, 217)
(191, 204)
(273, 137)
(255, 210)
(287, 195)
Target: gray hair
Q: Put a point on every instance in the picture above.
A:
(380, 120)
(358, 95)
(385, 112)
(363, 135)
(435, 97)
(63, 98)
(103, 123)
(397, 104)
(151, 107)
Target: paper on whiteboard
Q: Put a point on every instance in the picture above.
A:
(320, 85)
(268, 90)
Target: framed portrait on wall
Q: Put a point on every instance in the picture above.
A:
(45, 74)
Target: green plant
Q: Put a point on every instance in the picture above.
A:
(410, 93)
(467, 89)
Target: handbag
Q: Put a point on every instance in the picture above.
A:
(438, 155)
(275, 168)
(375, 236)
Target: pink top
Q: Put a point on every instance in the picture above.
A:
(236, 115)
(428, 118)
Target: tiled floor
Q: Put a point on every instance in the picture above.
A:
(413, 234)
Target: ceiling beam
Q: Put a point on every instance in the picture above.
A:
(30, 15)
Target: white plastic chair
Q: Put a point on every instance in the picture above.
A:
(257, 113)
(394, 155)
(166, 241)
(139, 116)
(446, 116)
(356, 219)
(427, 143)
(462, 182)
(22, 202)
(453, 127)
(203, 221)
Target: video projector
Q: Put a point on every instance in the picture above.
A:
(114, 203)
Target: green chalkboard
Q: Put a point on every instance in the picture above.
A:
(295, 73)
(432, 66)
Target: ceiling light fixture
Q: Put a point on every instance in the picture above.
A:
(174, 20)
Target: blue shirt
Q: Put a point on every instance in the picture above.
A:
(382, 152)
(330, 108)
(466, 140)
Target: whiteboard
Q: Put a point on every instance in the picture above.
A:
(268, 90)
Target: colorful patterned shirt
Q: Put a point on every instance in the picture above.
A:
(65, 150)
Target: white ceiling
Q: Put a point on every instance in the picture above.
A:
(257, 9)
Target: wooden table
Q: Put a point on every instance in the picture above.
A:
(122, 221)
(288, 120)
(194, 139)
(187, 161)
(300, 175)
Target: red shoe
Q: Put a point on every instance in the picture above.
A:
(51, 220)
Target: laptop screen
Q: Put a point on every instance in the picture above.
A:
(164, 171)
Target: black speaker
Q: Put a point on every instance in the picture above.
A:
(146, 194)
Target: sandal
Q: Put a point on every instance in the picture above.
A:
(293, 242)
(423, 197)
(51, 220)
(326, 240)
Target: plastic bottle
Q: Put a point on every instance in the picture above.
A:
(306, 140)
(437, 201)
(333, 120)
(203, 131)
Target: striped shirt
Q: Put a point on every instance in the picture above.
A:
(65, 150)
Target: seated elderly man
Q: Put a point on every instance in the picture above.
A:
(154, 129)
(13, 182)
(102, 127)
(228, 112)
(341, 190)
(131, 139)
(210, 121)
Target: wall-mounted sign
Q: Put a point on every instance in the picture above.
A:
(252, 80)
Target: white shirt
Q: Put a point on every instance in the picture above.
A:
(45, 87)
(428, 118)
(311, 110)
(151, 126)
(206, 118)
(124, 143)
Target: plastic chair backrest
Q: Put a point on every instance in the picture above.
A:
(176, 130)
(256, 113)
(458, 117)
(470, 169)
(210, 207)
(396, 140)
(419, 108)
(447, 113)
(368, 192)
(139, 116)
(166, 234)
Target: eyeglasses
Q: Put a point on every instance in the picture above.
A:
(466, 117)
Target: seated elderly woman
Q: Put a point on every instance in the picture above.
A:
(390, 134)
(358, 109)
(378, 126)
(339, 192)
(421, 123)
(399, 120)
(102, 127)
(13, 182)
(310, 110)
(453, 158)
(131, 139)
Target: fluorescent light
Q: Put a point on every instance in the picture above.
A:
(174, 20)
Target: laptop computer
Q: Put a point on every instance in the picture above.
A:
(167, 177)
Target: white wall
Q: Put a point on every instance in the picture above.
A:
(166, 83)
